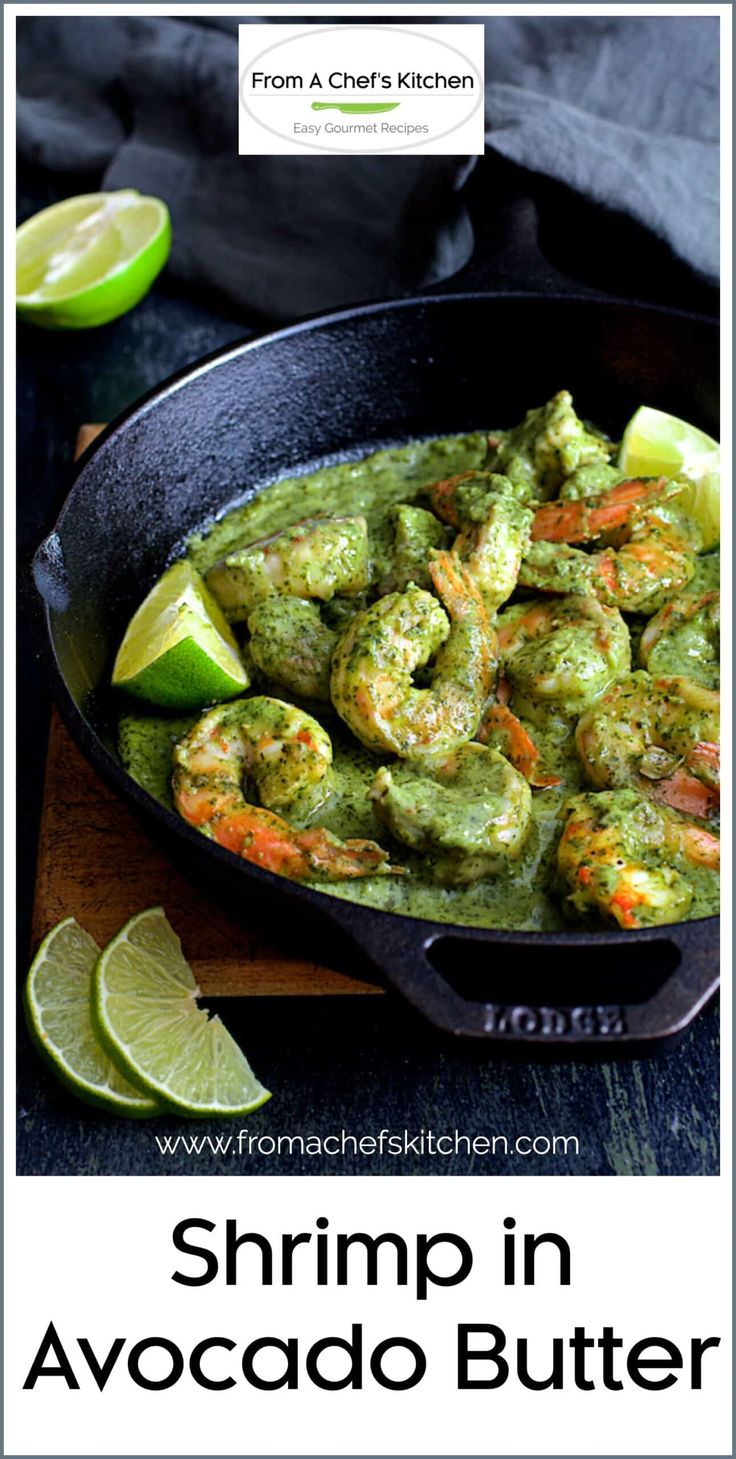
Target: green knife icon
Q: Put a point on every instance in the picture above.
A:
(355, 108)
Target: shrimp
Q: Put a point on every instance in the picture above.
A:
(288, 757)
(660, 735)
(501, 729)
(656, 559)
(469, 811)
(560, 654)
(493, 529)
(291, 645)
(548, 446)
(372, 666)
(582, 519)
(590, 480)
(316, 558)
(414, 534)
(685, 637)
(616, 854)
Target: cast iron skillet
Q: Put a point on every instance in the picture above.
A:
(336, 387)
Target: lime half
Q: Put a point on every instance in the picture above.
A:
(57, 1005)
(86, 260)
(657, 444)
(145, 1013)
(178, 651)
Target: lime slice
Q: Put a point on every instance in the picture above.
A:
(701, 500)
(178, 651)
(57, 1005)
(86, 260)
(145, 1014)
(657, 444)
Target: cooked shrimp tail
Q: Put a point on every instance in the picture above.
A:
(656, 559)
(269, 841)
(660, 735)
(586, 518)
(288, 757)
(684, 792)
(700, 846)
(372, 667)
(705, 760)
(493, 529)
(443, 497)
(501, 730)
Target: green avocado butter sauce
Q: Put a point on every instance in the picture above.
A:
(366, 488)
(510, 900)
(517, 898)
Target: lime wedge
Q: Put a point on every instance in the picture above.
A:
(178, 651)
(86, 260)
(701, 500)
(657, 444)
(57, 1005)
(146, 1016)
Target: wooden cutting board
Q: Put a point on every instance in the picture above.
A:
(96, 863)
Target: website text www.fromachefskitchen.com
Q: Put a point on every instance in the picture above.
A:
(428, 1144)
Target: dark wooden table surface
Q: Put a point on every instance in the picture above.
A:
(354, 1064)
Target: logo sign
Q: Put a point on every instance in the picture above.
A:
(373, 89)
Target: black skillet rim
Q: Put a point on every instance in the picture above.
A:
(333, 909)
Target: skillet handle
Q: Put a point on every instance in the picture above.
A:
(685, 955)
(694, 980)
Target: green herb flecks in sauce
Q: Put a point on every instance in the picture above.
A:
(515, 899)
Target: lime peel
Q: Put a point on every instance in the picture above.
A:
(178, 651)
(657, 444)
(86, 260)
(145, 1014)
(57, 1009)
